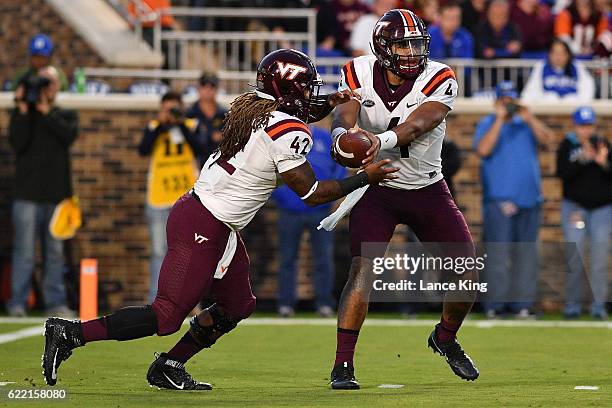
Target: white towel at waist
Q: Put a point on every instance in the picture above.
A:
(329, 223)
(228, 254)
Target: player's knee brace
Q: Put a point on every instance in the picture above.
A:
(206, 336)
(131, 322)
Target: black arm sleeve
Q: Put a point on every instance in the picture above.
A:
(63, 124)
(20, 134)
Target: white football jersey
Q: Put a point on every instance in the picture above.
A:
(383, 109)
(234, 190)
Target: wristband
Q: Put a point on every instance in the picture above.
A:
(350, 184)
(337, 132)
(311, 191)
(388, 140)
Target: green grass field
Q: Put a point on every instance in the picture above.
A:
(269, 366)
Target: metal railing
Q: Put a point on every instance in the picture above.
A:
(475, 77)
(232, 50)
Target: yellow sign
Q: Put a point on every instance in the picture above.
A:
(173, 170)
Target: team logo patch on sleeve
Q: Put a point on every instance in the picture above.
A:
(437, 80)
(285, 126)
(350, 75)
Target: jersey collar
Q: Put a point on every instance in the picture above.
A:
(381, 86)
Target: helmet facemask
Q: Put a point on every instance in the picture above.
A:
(406, 57)
(311, 101)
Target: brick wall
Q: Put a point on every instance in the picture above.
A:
(109, 177)
(21, 19)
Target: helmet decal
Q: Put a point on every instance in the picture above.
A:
(288, 70)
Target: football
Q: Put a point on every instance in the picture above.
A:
(351, 148)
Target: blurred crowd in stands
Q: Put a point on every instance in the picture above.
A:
(468, 28)
(560, 34)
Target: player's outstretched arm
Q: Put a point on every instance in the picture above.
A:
(424, 119)
(345, 116)
(302, 180)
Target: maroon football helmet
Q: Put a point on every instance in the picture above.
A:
(400, 42)
(290, 78)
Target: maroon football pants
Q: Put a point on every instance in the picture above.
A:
(187, 272)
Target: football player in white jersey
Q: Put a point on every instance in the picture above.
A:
(265, 140)
(405, 98)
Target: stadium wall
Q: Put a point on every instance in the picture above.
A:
(22, 19)
(110, 178)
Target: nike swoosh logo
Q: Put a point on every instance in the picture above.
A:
(175, 384)
(53, 371)
(410, 105)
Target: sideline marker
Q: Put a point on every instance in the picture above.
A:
(89, 289)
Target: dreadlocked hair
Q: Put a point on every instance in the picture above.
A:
(247, 113)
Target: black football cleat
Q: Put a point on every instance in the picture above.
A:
(167, 373)
(61, 336)
(343, 377)
(461, 364)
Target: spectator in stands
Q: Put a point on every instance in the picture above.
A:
(209, 114)
(472, 14)
(40, 134)
(171, 142)
(535, 23)
(362, 30)
(335, 21)
(583, 164)
(507, 143)
(40, 54)
(584, 29)
(294, 218)
(497, 36)
(449, 39)
(147, 16)
(428, 10)
(559, 78)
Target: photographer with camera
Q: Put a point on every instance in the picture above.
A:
(41, 134)
(40, 52)
(171, 141)
(507, 143)
(583, 164)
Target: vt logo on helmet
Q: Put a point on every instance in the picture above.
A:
(290, 71)
(290, 78)
(400, 42)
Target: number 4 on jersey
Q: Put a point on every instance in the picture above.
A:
(404, 152)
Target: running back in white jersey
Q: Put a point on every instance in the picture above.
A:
(234, 190)
(383, 109)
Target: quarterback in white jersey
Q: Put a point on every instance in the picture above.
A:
(383, 108)
(405, 98)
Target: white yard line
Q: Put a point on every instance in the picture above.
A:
(485, 324)
(20, 334)
(275, 321)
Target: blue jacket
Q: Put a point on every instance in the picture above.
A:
(461, 45)
(512, 171)
(324, 167)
